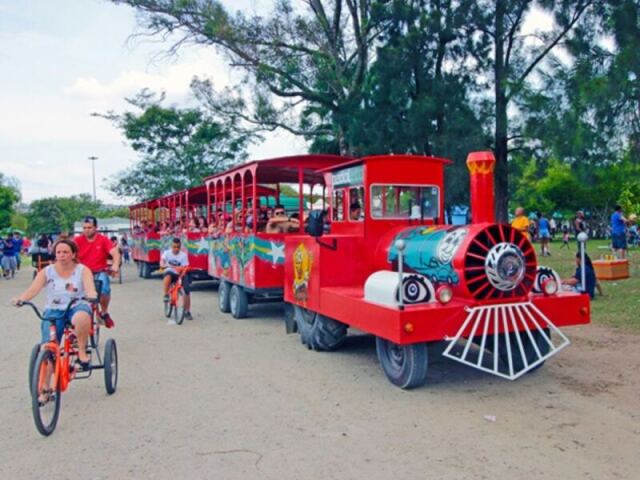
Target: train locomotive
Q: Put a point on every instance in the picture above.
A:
(374, 255)
(394, 270)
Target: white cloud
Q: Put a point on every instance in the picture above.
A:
(174, 79)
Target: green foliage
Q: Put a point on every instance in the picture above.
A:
(58, 214)
(177, 147)
(9, 196)
(19, 221)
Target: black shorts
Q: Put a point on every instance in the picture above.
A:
(186, 280)
(619, 241)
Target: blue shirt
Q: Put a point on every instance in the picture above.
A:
(617, 224)
(543, 225)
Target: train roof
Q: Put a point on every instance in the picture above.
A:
(282, 169)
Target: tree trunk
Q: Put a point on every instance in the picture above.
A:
(502, 125)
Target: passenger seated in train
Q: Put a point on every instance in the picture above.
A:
(355, 211)
(202, 224)
(280, 223)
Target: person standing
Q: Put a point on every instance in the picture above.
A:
(9, 258)
(18, 242)
(579, 225)
(93, 252)
(521, 222)
(544, 234)
(618, 232)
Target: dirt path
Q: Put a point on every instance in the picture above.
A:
(238, 399)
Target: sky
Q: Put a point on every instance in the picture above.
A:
(60, 61)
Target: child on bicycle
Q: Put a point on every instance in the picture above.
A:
(64, 281)
(171, 260)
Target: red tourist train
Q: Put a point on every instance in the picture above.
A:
(369, 249)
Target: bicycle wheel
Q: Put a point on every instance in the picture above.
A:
(32, 362)
(45, 397)
(178, 313)
(120, 275)
(110, 366)
(168, 308)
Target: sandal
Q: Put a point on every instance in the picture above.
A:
(81, 366)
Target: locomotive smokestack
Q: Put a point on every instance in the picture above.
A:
(480, 165)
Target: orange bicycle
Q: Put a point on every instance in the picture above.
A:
(175, 305)
(53, 369)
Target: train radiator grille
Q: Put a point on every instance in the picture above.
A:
(522, 342)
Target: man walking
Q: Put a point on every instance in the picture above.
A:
(93, 252)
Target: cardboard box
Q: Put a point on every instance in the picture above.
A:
(611, 269)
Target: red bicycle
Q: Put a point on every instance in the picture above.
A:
(53, 369)
(175, 305)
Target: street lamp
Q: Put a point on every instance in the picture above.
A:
(93, 170)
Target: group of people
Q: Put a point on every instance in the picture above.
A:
(10, 249)
(80, 272)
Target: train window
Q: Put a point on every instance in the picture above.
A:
(356, 204)
(338, 205)
(405, 201)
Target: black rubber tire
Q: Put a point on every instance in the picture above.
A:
(290, 324)
(404, 365)
(32, 362)
(223, 296)
(110, 366)
(146, 270)
(45, 427)
(94, 340)
(529, 350)
(168, 309)
(120, 275)
(178, 312)
(139, 267)
(238, 302)
(318, 332)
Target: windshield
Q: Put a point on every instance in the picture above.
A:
(405, 201)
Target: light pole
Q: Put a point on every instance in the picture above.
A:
(93, 170)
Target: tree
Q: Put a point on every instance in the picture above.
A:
(57, 214)
(314, 58)
(512, 62)
(9, 196)
(177, 147)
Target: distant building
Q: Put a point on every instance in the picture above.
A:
(113, 224)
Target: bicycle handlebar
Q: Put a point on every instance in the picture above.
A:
(71, 304)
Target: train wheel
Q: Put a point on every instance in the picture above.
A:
(404, 365)
(223, 296)
(318, 332)
(290, 324)
(146, 270)
(238, 302)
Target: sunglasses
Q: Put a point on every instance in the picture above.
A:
(279, 213)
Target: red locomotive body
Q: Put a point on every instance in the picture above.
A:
(391, 268)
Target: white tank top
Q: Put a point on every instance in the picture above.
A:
(60, 291)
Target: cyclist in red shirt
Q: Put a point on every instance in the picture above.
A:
(93, 251)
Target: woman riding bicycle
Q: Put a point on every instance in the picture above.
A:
(64, 281)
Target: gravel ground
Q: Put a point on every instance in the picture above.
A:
(238, 399)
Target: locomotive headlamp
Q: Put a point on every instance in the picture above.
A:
(550, 286)
(505, 266)
(444, 294)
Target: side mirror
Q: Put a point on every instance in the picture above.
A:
(315, 228)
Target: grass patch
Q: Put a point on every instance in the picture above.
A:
(620, 305)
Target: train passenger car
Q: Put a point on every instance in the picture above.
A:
(390, 267)
(246, 250)
(155, 222)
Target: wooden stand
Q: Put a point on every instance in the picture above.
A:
(611, 269)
